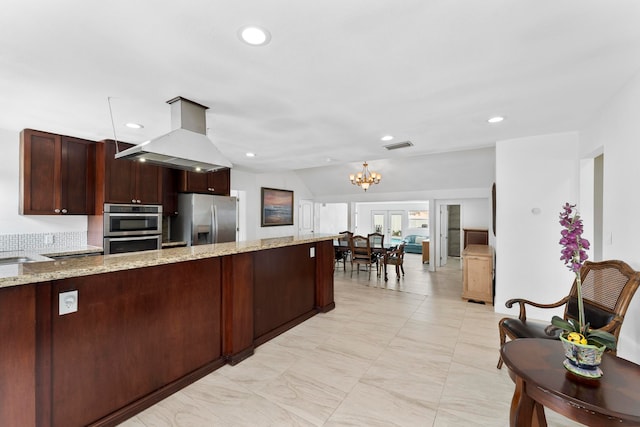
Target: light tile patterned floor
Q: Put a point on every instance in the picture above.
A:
(402, 353)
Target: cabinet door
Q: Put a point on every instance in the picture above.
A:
(40, 158)
(219, 182)
(170, 179)
(148, 180)
(57, 174)
(119, 175)
(194, 182)
(77, 176)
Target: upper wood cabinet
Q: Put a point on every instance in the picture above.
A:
(217, 182)
(125, 181)
(170, 178)
(57, 175)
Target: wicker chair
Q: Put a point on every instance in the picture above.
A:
(607, 289)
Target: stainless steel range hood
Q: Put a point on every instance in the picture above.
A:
(186, 146)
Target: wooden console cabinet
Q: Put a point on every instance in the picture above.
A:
(477, 270)
(476, 236)
(425, 251)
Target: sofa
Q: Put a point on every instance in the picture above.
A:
(413, 243)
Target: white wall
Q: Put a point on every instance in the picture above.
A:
(616, 131)
(251, 184)
(10, 221)
(542, 173)
(331, 217)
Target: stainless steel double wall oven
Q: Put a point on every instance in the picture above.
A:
(130, 228)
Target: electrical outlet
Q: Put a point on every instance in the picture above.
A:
(67, 302)
(48, 239)
(312, 252)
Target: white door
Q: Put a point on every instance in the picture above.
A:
(305, 217)
(389, 223)
(444, 235)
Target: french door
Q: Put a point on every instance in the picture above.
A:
(389, 223)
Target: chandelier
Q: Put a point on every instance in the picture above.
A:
(365, 178)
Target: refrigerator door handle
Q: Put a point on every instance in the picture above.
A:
(214, 224)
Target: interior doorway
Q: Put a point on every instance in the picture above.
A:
(449, 244)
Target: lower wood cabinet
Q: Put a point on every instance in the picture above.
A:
(477, 271)
(17, 356)
(144, 333)
(134, 331)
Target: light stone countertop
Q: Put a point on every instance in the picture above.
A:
(35, 272)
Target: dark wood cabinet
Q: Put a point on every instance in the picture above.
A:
(476, 236)
(217, 182)
(125, 181)
(141, 334)
(57, 175)
(170, 178)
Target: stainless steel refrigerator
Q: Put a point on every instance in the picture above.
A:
(204, 219)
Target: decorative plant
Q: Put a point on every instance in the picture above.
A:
(574, 255)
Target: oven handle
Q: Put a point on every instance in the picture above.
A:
(117, 239)
(134, 214)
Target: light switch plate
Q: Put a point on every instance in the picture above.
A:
(312, 252)
(67, 302)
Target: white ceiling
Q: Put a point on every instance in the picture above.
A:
(337, 75)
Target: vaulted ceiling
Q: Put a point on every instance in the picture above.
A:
(336, 76)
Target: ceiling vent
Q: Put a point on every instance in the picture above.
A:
(398, 145)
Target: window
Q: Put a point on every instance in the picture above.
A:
(418, 219)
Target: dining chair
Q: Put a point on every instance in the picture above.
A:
(396, 257)
(342, 248)
(361, 254)
(376, 241)
(607, 289)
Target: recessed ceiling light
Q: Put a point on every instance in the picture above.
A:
(387, 138)
(250, 155)
(142, 159)
(329, 159)
(255, 36)
(134, 125)
(496, 119)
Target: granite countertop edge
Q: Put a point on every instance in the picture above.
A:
(38, 272)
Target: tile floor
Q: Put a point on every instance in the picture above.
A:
(401, 353)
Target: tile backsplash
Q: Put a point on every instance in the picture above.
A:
(39, 241)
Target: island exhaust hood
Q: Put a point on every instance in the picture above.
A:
(186, 147)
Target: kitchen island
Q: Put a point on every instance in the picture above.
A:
(147, 324)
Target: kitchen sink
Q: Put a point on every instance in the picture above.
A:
(15, 260)
(22, 259)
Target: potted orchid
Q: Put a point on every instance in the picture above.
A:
(583, 346)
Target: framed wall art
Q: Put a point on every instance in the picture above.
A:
(277, 207)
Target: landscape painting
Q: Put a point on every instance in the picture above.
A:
(277, 207)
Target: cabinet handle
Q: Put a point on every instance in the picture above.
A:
(211, 189)
(138, 201)
(64, 211)
(56, 210)
(133, 200)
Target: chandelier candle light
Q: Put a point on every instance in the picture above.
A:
(365, 178)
